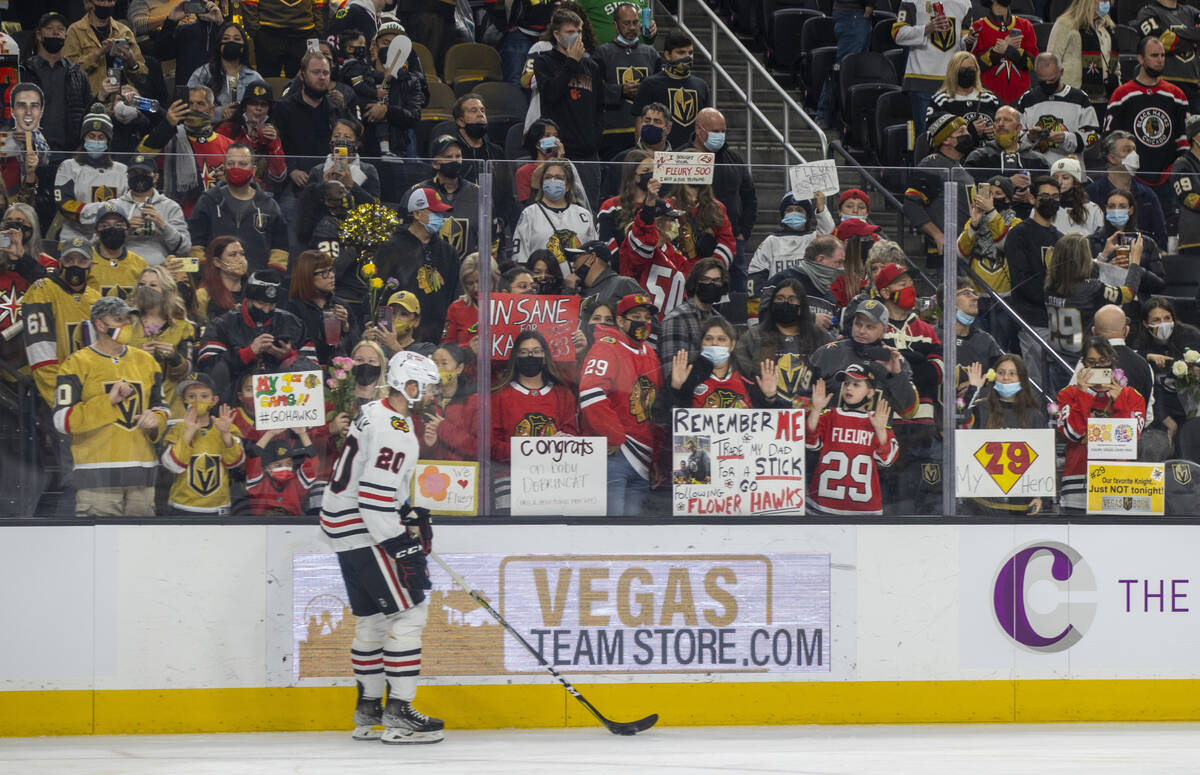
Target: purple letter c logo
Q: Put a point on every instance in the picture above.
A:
(1056, 630)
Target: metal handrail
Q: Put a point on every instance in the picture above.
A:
(752, 66)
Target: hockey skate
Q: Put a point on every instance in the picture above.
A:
(368, 715)
(405, 725)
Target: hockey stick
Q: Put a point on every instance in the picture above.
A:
(616, 727)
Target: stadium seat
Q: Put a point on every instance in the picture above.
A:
(441, 101)
(471, 63)
(898, 56)
(879, 15)
(894, 153)
(1129, 67)
(893, 108)
(783, 31)
(881, 36)
(512, 142)
(1183, 283)
(1033, 18)
(425, 56)
(864, 67)
(817, 32)
(441, 97)
(1127, 39)
(278, 85)
(506, 106)
(859, 112)
(1023, 8)
(1042, 31)
(1125, 11)
(816, 72)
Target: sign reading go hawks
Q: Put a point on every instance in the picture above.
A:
(1004, 463)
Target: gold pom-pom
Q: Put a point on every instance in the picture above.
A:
(369, 225)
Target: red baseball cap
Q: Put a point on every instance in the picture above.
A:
(854, 193)
(426, 199)
(635, 300)
(853, 226)
(888, 275)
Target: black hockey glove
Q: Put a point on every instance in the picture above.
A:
(419, 518)
(411, 566)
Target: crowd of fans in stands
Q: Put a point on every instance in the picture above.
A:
(163, 245)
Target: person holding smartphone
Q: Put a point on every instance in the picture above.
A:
(1113, 244)
(98, 44)
(1098, 391)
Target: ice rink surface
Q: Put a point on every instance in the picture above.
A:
(820, 750)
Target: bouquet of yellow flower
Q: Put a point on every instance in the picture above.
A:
(366, 228)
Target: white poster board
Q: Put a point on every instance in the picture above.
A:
(1112, 438)
(447, 487)
(1004, 463)
(559, 476)
(807, 179)
(737, 461)
(684, 167)
(289, 399)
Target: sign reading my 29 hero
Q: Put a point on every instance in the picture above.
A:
(645, 613)
(998, 463)
(738, 461)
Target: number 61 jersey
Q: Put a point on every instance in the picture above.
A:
(371, 479)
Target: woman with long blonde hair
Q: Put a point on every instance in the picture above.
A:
(1085, 42)
(963, 94)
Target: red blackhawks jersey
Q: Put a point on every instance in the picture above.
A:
(1005, 75)
(730, 392)
(521, 411)
(661, 269)
(903, 336)
(846, 480)
(621, 378)
(1075, 406)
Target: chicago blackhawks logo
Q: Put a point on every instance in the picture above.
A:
(204, 474)
(641, 398)
(535, 424)
(560, 241)
(400, 424)
(1152, 126)
(724, 398)
(429, 279)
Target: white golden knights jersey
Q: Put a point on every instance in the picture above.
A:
(371, 479)
(108, 447)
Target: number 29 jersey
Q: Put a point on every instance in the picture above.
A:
(846, 480)
(371, 479)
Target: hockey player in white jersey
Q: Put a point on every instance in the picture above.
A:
(381, 543)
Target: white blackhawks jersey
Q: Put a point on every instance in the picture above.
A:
(371, 479)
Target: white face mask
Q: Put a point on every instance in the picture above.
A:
(1132, 162)
(1162, 331)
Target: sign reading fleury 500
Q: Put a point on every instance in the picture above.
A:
(728, 613)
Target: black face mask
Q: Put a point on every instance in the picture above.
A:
(1000, 204)
(530, 365)
(1047, 208)
(785, 313)
(141, 183)
(356, 53)
(710, 293)
(382, 56)
(365, 374)
(450, 169)
(54, 45)
(477, 130)
(258, 315)
(26, 231)
(548, 285)
(964, 143)
(112, 238)
(643, 180)
(103, 11)
(1049, 87)
(639, 330)
(1153, 72)
(966, 78)
(75, 276)
(232, 51)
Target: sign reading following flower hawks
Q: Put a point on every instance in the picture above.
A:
(556, 317)
(620, 614)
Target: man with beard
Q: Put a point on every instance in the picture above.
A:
(305, 117)
(157, 228)
(192, 151)
(1005, 152)
(824, 261)
(1174, 24)
(53, 310)
(951, 141)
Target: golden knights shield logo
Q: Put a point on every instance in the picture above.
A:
(793, 375)
(535, 424)
(131, 408)
(1182, 473)
(454, 231)
(103, 193)
(683, 105)
(204, 474)
(931, 473)
(632, 74)
(641, 398)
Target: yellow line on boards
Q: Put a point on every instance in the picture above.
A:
(154, 711)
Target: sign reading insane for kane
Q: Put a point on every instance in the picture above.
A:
(289, 399)
(738, 462)
(556, 317)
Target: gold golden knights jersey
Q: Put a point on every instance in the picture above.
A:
(109, 449)
(53, 316)
(201, 483)
(115, 277)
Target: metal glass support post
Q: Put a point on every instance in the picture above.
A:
(483, 359)
(949, 342)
